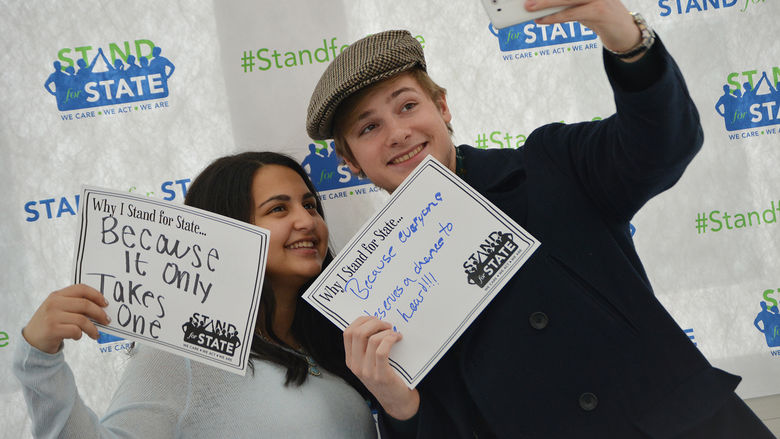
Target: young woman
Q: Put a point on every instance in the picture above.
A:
(298, 383)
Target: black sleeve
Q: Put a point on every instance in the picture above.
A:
(638, 75)
(638, 152)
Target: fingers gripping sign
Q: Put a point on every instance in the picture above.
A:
(367, 344)
(66, 313)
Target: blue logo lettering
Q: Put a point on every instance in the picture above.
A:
(120, 83)
(51, 208)
(529, 35)
(743, 107)
(687, 6)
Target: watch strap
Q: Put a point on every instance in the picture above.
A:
(648, 38)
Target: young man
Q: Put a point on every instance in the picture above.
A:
(575, 345)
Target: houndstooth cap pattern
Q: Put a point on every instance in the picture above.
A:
(365, 62)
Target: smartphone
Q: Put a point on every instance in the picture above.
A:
(505, 13)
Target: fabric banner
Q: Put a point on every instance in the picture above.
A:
(141, 95)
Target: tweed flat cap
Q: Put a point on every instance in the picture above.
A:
(367, 61)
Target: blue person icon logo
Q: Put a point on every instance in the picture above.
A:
(768, 322)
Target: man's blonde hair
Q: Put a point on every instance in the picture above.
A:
(347, 108)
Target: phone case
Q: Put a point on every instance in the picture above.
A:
(505, 13)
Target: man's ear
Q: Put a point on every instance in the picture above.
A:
(444, 109)
(353, 167)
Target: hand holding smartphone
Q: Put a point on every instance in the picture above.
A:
(505, 13)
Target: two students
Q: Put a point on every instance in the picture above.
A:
(576, 344)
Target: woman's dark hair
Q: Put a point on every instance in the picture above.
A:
(225, 187)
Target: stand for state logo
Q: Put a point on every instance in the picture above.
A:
(99, 81)
(752, 103)
(483, 264)
(214, 335)
(530, 35)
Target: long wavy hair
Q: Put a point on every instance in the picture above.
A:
(225, 187)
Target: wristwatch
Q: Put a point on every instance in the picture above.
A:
(648, 38)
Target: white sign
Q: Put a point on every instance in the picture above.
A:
(182, 279)
(428, 263)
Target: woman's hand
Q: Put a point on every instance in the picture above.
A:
(66, 313)
(367, 343)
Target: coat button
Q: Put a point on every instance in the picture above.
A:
(588, 401)
(538, 320)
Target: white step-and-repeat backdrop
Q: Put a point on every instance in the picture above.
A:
(141, 95)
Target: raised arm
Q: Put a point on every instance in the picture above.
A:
(609, 19)
(641, 150)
